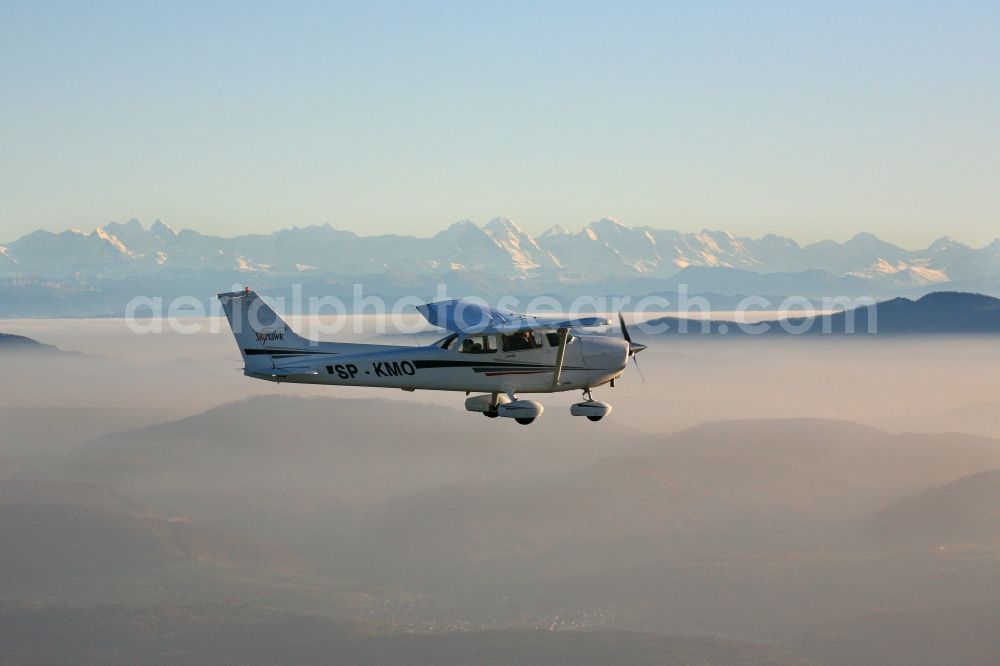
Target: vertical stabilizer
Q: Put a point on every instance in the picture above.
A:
(258, 329)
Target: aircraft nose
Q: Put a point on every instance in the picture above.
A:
(606, 353)
(619, 348)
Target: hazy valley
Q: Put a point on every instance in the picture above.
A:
(756, 500)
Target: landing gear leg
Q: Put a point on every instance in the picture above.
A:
(492, 412)
(590, 398)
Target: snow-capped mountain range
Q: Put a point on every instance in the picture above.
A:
(602, 249)
(496, 258)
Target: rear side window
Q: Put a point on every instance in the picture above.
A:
(479, 344)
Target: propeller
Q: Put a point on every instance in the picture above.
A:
(633, 347)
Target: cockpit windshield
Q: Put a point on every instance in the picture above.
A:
(447, 342)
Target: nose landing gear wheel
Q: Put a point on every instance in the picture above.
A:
(594, 410)
(524, 420)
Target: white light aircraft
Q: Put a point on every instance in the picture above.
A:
(494, 352)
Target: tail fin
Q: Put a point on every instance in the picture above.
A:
(258, 329)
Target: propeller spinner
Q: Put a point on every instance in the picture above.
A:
(633, 347)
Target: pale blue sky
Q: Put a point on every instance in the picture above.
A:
(812, 120)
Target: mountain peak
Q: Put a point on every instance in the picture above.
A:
(462, 225)
(131, 229)
(872, 242)
(959, 299)
(524, 251)
(717, 234)
(466, 231)
(560, 230)
(865, 237)
(946, 243)
(775, 240)
(608, 224)
(162, 230)
(10, 342)
(503, 225)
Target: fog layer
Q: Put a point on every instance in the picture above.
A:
(756, 500)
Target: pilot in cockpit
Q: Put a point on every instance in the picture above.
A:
(519, 341)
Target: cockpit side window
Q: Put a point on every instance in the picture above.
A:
(520, 341)
(448, 342)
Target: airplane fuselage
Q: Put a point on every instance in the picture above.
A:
(589, 361)
(495, 353)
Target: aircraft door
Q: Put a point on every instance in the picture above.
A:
(520, 343)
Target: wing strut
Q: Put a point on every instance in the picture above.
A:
(563, 336)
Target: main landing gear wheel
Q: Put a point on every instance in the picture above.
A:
(522, 411)
(491, 414)
(595, 419)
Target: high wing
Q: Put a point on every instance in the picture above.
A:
(464, 316)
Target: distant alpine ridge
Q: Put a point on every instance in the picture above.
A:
(602, 249)
(495, 259)
(937, 313)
